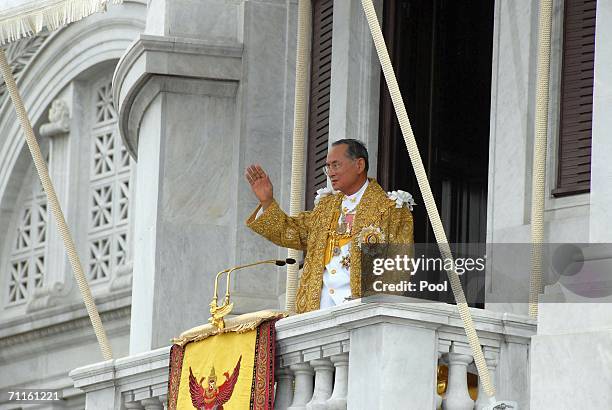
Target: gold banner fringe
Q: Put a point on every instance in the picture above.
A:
(237, 324)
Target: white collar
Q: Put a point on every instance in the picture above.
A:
(356, 197)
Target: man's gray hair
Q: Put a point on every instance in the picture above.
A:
(355, 149)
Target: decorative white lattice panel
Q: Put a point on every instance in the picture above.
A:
(110, 190)
(103, 155)
(99, 258)
(105, 109)
(18, 283)
(123, 200)
(102, 206)
(27, 260)
(24, 231)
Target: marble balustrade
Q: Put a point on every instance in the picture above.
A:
(134, 382)
(373, 355)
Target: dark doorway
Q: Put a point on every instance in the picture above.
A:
(442, 52)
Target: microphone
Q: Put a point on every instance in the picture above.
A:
(288, 261)
(277, 262)
(218, 312)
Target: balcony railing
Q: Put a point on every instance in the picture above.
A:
(133, 382)
(359, 355)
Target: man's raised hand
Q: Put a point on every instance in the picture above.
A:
(260, 184)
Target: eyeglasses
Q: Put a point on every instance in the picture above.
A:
(334, 166)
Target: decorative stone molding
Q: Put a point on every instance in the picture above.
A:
(62, 319)
(50, 69)
(46, 296)
(59, 120)
(19, 53)
(53, 289)
(64, 327)
(154, 57)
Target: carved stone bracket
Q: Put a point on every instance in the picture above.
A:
(59, 120)
(47, 296)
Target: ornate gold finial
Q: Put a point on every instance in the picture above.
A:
(212, 376)
(217, 313)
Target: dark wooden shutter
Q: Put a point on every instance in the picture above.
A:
(320, 79)
(574, 154)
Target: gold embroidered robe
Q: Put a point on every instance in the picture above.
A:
(309, 230)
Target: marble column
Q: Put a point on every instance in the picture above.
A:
(201, 94)
(574, 339)
(601, 149)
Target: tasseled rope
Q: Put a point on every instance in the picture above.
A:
(430, 204)
(299, 127)
(539, 156)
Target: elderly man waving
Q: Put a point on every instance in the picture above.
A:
(357, 211)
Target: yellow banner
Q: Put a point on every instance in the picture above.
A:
(218, 371)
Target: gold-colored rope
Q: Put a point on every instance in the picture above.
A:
(430, 204)
(54, 206)
(299, 127)
(539, 155)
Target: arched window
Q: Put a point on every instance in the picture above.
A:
(92, 173)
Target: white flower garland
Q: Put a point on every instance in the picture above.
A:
(401, 198)
(322, 193)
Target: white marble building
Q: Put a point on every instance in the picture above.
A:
(148, 115)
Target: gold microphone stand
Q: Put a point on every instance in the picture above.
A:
(217, 313)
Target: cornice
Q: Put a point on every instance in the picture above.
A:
(62, 319)
(439, 316)
(174, 57)
(64, 327)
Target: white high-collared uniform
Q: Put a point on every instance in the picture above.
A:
(336, 278)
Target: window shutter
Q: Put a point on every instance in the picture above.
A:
(574, 154)
(320, 79)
